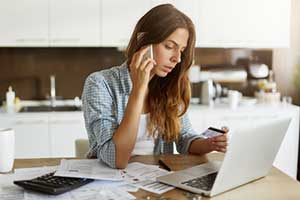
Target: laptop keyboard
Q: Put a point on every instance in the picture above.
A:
(204, 183)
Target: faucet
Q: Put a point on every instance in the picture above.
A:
(52, 91)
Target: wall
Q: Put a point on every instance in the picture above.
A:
(286, 62)
(28, 69)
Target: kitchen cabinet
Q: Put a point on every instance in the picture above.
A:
(110, 23)
(23, 23)
(31, 135)
(119, 19)
(63, 131)
(220, 24)
(235, 23)
(45, 135)
(286, 160)
(74, 23)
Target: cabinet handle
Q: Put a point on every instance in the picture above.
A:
(18, 122)
(65, 40)
(65, 122)
(27, 40)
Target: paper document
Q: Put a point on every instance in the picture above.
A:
(97, 190)
(9, 191)
(87, 168)
(92, 191)
(144, 176)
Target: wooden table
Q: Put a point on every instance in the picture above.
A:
(275, 186)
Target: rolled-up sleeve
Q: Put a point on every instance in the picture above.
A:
(187, 135)
(100, 119)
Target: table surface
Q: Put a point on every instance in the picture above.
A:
(276, 185)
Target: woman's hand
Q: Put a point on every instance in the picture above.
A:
(203, 146)
(140, 69)
(219, 143)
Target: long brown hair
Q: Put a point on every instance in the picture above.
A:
(169, 96)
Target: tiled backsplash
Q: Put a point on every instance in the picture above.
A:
(28, 69)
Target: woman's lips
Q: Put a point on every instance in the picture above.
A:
(167, 69)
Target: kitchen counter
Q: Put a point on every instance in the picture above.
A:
(242, 117)
(53, 134)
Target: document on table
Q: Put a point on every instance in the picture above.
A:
(9, 191)
(92, 191)
(98, 190)
(144, 176)
(87, 168)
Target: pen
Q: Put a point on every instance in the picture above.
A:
(164, 165)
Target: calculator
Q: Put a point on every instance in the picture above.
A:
(51, 184)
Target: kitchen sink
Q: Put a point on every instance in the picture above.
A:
(49, 108)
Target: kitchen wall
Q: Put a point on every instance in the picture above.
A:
(286, 62)
(28, 69)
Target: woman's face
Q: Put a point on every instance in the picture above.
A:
(168, 53)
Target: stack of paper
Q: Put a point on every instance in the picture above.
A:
(109, 184)
(87, 168)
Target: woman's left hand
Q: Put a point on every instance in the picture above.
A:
(219, 143)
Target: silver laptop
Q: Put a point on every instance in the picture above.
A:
(250, 154)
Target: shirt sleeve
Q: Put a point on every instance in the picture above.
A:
(187, 135)
(100, 119)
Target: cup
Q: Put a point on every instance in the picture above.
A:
(287, 100)
(234, 97)
(7, 149)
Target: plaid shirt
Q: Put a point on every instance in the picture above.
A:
(105, 96)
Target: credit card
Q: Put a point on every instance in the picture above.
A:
(212, 132)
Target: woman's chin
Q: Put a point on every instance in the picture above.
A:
(162, 74)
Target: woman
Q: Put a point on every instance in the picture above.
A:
(140, 107)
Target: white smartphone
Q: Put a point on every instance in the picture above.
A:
(149, 53)
(212, 132)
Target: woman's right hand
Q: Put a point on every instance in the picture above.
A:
(140, 69)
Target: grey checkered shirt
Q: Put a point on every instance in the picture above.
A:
(105, 96)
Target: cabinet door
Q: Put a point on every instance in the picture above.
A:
(31, 135)
(119, 19)
(74, 22)
(235, 23)
(63, 131)
(23, 23)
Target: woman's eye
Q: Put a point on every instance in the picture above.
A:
(168, 47)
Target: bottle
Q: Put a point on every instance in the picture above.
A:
(271, 85)
(10, 97)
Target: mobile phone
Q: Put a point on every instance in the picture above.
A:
(212, 132)
(149, 53)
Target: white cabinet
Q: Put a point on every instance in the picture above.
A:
(63, 23)
(44, 135)
(286, 160)
(119, 19)
(74, 22)
(63, 131)
(236, 23)
(23, 23)
(31, 135)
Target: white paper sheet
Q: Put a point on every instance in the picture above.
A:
(143, 176)
(97, 190)
(87, 168)
(9, 191)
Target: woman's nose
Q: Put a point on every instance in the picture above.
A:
(176, 57)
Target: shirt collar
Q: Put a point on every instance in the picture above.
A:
(125, 78)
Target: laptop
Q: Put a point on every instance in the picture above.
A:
(250, 154)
